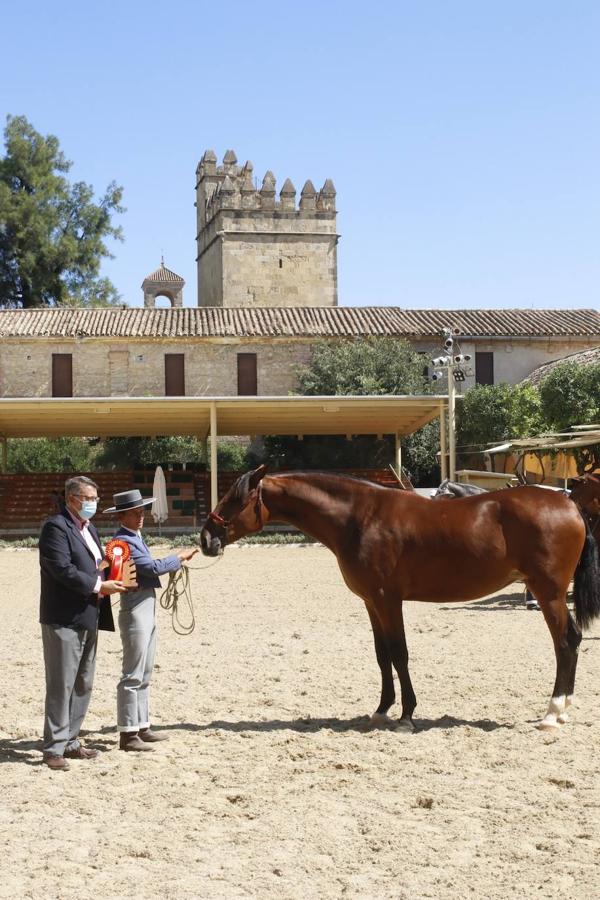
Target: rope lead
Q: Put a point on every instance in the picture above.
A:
(177, 589)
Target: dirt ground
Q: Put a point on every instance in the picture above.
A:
(271, 786)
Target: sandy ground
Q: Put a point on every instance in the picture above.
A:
(270, 786)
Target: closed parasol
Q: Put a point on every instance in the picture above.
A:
(160, 507)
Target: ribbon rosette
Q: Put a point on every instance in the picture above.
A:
(118, 552)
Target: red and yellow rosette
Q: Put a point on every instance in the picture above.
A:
(117, 552)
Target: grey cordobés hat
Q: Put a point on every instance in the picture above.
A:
(128, 500)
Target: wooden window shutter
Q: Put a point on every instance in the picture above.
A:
(174, 375)
(484, 368)
(246, 372)
(62, 374)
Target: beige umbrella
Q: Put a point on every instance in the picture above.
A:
(160, 507)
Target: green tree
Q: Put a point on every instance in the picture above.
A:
(489, 414)
(52, 233)
(42, 455)
(570, 395)
(363, 366)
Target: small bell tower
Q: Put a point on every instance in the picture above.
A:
(163, 283)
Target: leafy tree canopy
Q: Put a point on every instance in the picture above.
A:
(570, 395)
(52, 233)
(363, 366)
(489, 414)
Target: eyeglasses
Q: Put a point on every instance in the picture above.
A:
(82, 498)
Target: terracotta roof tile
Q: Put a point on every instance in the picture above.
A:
(583, 358)
(313, 322)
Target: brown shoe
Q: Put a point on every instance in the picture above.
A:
(151, 737)
(130, 740)
(81, 753)
(56, 763)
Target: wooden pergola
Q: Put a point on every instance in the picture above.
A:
(213, 417)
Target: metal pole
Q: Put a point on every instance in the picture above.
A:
(214, 475)
(398, 456)
(451, 425)
(443, 446)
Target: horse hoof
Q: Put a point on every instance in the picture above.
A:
(563, 718)
(405, 725)
(380, 720)
(548, 724)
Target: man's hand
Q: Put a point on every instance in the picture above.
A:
(184, 555)
(112, 587)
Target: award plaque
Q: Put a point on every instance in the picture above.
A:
(122, 568)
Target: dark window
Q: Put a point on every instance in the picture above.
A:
(62, 375)
(247, 381)
(484, 368)
(174, 375)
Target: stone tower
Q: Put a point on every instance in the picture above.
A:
(163, 283)
(257, 250)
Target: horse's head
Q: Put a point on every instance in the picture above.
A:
(586, 493)
(239, 513)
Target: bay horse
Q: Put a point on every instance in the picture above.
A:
(395, 545)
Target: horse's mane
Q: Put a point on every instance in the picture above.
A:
(336, 476)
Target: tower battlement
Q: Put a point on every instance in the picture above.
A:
(261, 247)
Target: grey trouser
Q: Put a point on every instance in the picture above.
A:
(70, 661)
(137, 624)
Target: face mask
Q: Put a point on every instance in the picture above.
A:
(88, 509)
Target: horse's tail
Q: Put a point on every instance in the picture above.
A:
(586, 582)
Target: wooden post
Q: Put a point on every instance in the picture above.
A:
(443, 446)
(451, 425)
(214, 475)
(4, 454)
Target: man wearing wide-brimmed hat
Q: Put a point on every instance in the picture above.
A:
(137, 623)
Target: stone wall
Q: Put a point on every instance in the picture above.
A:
(135, 366)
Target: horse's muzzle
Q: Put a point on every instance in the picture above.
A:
(210, 545)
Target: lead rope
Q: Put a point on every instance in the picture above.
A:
(178, 589)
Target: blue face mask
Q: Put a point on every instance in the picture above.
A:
(88, 509)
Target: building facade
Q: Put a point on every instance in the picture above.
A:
(229, 352)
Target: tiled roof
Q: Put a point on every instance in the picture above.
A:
(164, 276)
(314, 322)
(583, 358)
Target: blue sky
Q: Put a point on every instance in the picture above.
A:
(463, 137)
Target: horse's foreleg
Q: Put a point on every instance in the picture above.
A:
(399, 653)
(384, 660)
(566, 637)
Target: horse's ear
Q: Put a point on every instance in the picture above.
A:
(256, 476)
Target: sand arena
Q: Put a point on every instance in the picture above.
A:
(270, 786)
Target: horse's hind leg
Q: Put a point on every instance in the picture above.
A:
(566, 637)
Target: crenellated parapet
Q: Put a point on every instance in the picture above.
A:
(233, 187)
(262, 244)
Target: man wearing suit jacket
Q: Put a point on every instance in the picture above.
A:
(73, 605)
(137, 624)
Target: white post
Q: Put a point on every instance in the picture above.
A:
(451, 425)
(214, 475)
(443, 446)
(398, 457)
